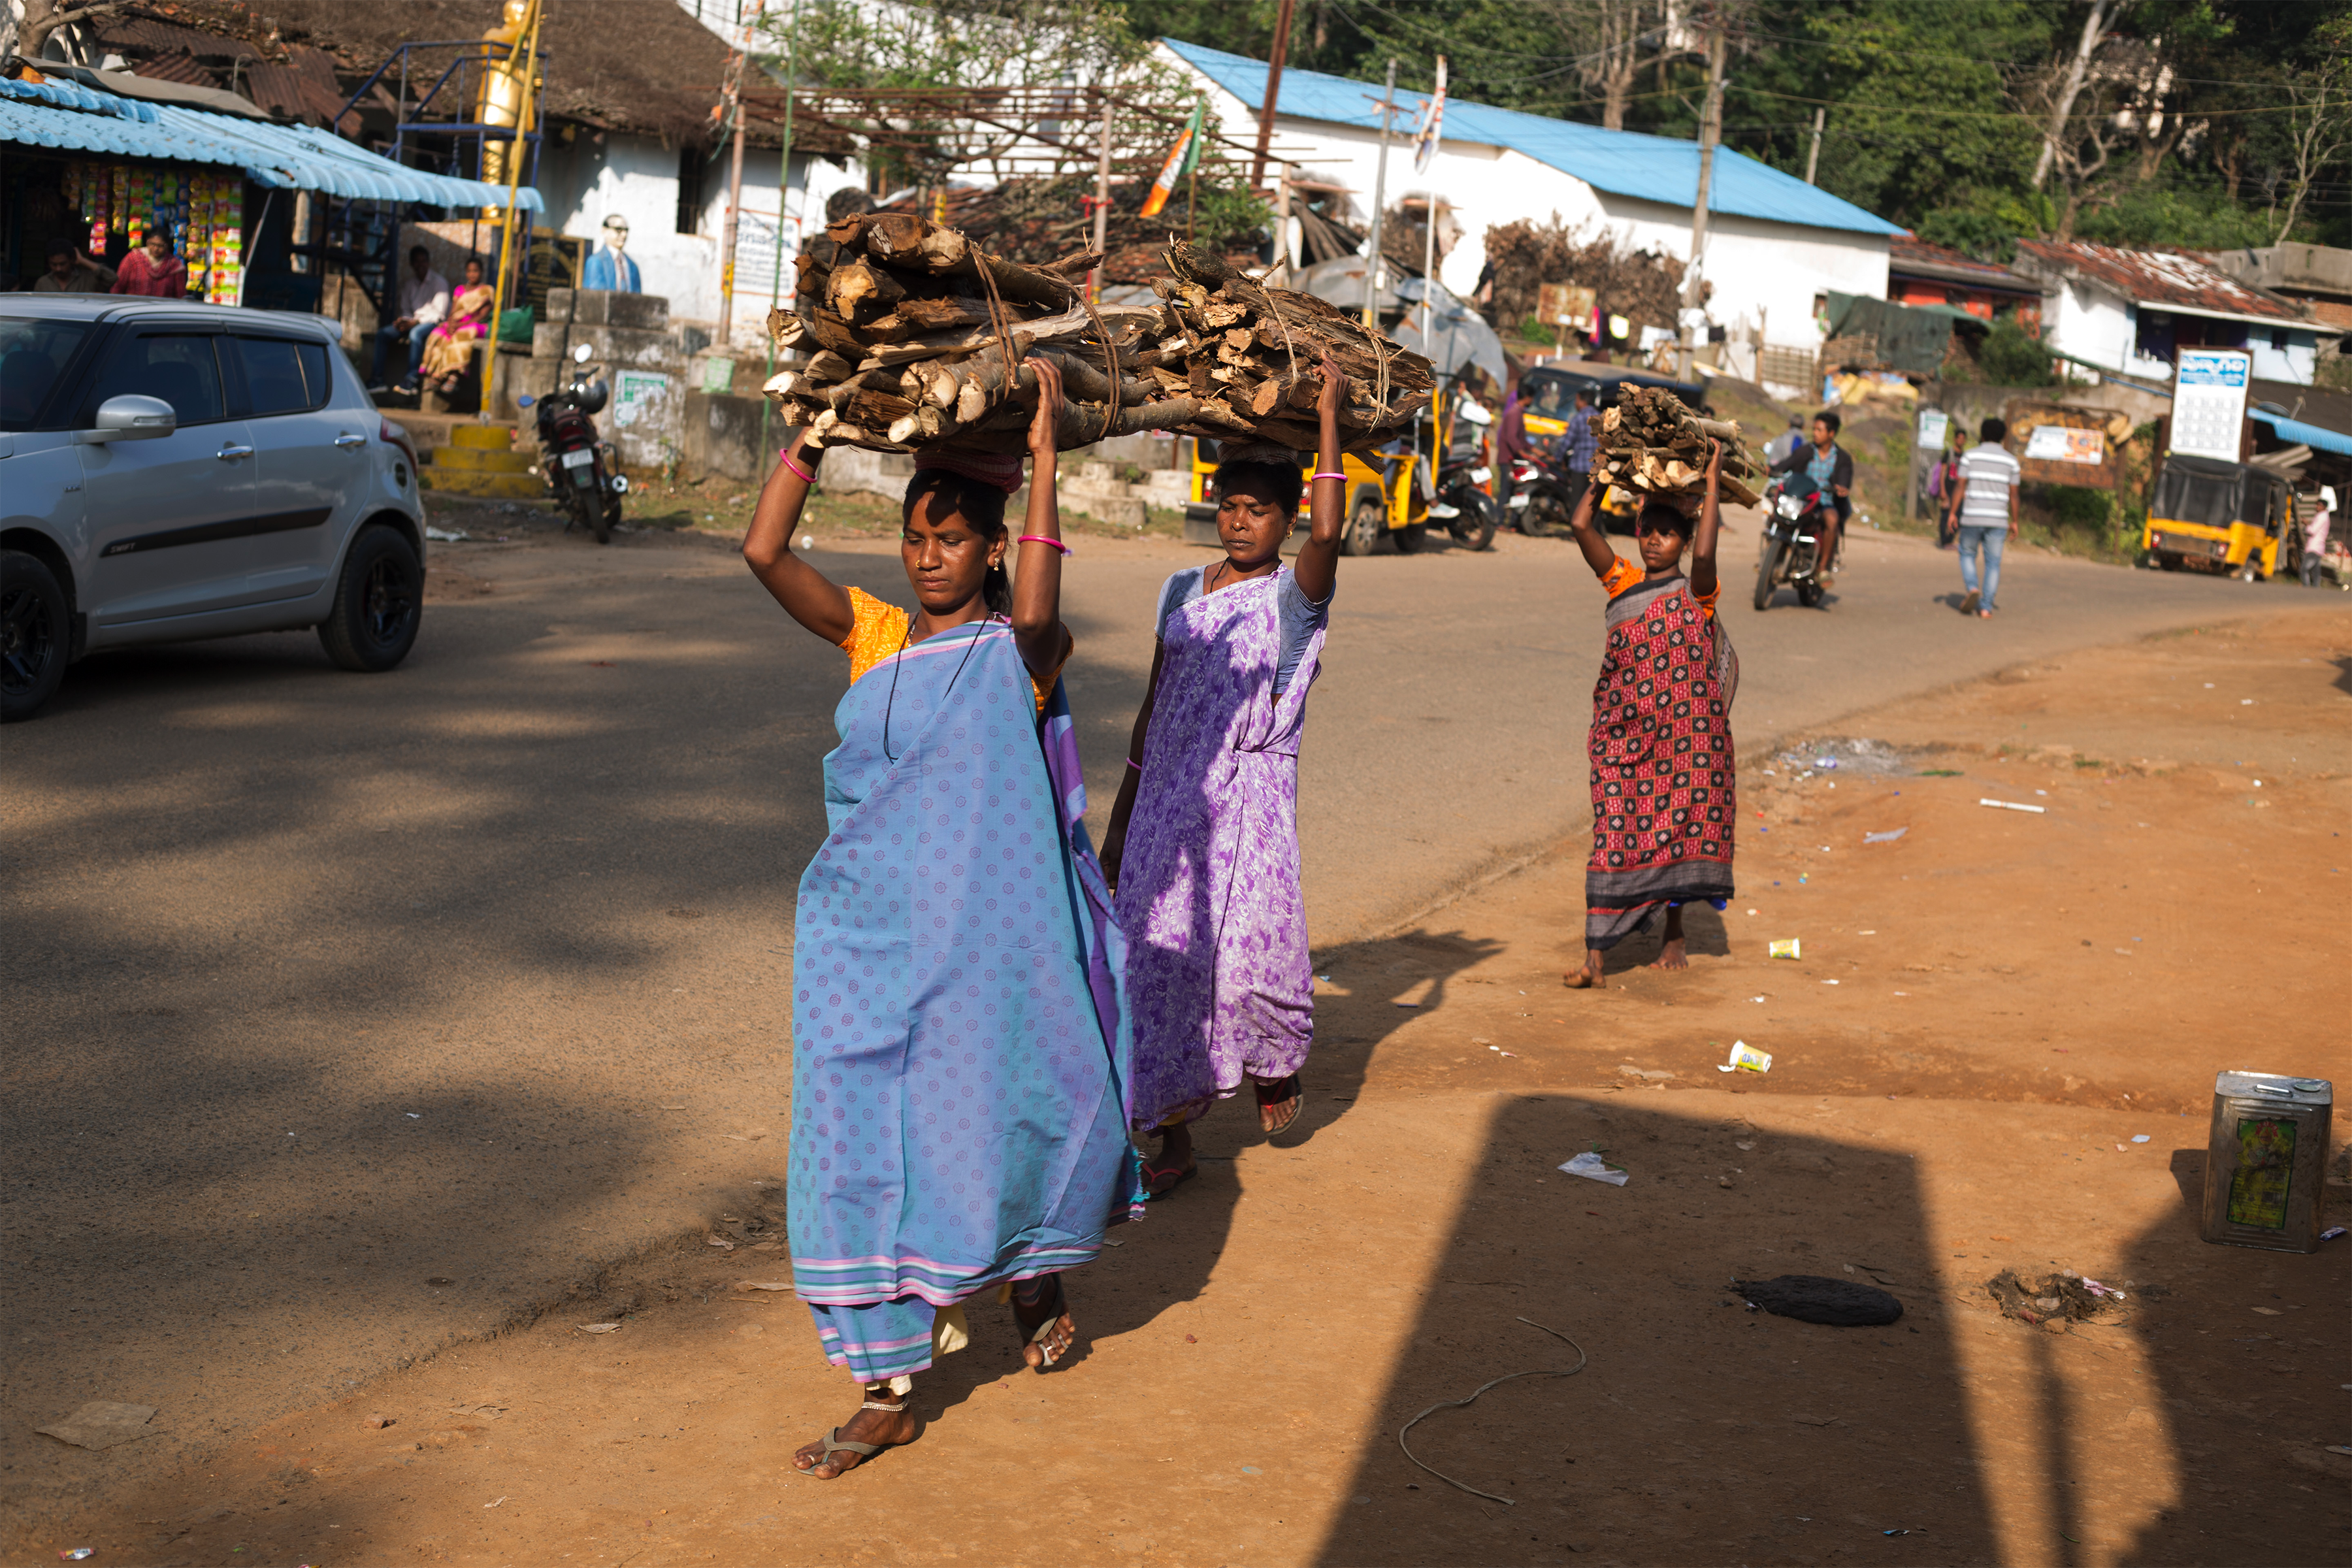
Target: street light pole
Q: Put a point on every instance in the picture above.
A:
(734, 202)
(1379, 204)
(1709, 130)
(783, 194)
(1102, 203)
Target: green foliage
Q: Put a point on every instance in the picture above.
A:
(2011, 358)
(2075, 506)
(1934, 107)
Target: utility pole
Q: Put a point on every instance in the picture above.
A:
(1380, 201)
(1102, 203)
(783, 194)
(1710, 128)
(1273, 93)
(1813, 157)
(735, 203)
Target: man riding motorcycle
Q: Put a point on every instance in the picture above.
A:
(1828, 465)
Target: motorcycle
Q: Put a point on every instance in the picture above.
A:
(1796, 507)
(1543, 498)
(1462, 503)
(578, 467)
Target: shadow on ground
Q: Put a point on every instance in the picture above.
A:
(1780, 1442)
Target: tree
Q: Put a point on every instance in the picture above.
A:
(44, 18)
(2318, 117)
(2096, 24)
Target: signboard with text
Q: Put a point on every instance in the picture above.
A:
(2208, 402)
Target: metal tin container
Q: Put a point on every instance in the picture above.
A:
(2266, 1161)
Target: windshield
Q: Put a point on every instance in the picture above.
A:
(2188, 491)
(33, 353)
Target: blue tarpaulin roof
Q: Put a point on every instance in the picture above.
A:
(73, 118)
(1623, 163)
(2318, 438)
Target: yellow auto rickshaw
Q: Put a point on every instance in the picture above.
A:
(2210, 515)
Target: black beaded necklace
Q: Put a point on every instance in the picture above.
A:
(898, 660)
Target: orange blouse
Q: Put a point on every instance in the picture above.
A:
(877, 631)
(1624, 574)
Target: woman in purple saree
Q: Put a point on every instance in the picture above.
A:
(959, 1052)
(1202, 846)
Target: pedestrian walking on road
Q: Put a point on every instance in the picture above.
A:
(1663, 802)
(1985, 502)
(1202, 846)
(960, 1053)
(2314, 537)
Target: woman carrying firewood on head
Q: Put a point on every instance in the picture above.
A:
(960, 1060)
(1202, 846)
(1662, 806)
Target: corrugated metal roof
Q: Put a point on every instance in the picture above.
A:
(1623, 163)
(71, 118)
(1915, 257)
(2318, 436)
(2165, 278)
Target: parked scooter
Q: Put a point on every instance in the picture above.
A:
(1462, 503)
(1796, 509)
(579, 468)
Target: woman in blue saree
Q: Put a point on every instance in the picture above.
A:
(961, 1050)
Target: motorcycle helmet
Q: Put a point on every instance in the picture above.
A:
(593, 396)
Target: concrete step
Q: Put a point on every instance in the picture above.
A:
(481, 460)
(483, 438)
(489, 484)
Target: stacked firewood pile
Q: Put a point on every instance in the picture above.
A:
(917, 337)
(1650, 443)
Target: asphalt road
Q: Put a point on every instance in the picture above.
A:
(350, 1016)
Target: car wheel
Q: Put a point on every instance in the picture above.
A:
(378, 603)
(34, 635)
(1368, 524)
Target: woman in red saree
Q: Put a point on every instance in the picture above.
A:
(1663, 802)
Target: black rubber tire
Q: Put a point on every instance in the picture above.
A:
(607, 508)
(1474, 527)
(379, 603)
(1368, 524)
(1547, 511)
(1413, 537)
(35, 634)
(1764, 570)
(1809, 594)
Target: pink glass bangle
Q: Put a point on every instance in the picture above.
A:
(1329, 473)
(784, 455)
(1041, 539)
(1136, 765)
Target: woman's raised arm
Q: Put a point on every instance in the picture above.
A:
(1037, 628)
(1710, 520)
(1317, 565)
(806, 594)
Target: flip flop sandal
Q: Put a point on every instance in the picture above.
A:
(1153, 1176)
(835, 1443)
(1043, 1335)
(1275, 1093)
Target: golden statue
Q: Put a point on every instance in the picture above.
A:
(505, 90)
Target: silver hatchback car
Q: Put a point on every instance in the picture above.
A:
(171, 470)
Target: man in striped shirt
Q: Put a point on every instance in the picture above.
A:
(1985, 503)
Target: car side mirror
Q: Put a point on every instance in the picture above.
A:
(582, 354)
(130, 418)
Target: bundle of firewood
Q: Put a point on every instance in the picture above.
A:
(917, 338)
(1650, 443)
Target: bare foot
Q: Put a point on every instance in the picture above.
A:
(1047, 1303)
(1673, 954)
(879, 1429)
(1587, 978)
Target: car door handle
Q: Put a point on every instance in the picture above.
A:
(348, 439)
(233, 451)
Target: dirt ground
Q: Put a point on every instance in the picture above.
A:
(1989, 1012)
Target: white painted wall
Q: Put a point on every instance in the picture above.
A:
(637, 177)
(1765, 274)
(2093, 324)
